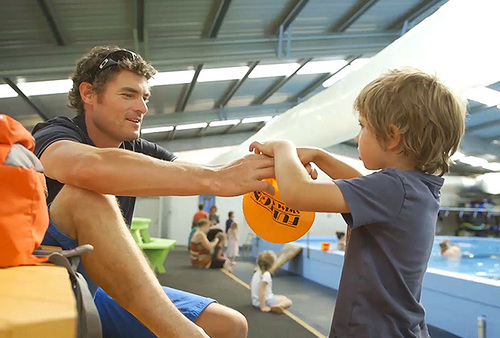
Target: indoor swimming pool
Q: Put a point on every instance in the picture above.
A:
(480, 257)
(456, 292)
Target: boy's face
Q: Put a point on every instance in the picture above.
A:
(116, 115)
(369, 148)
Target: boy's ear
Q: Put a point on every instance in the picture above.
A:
(86, 92)
(394, 138)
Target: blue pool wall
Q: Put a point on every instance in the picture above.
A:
(453, 302)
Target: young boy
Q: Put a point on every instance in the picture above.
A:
(410, 125)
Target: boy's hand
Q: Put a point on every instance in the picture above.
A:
(306, 155)
(266, 148)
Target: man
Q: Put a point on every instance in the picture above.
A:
(98, 154)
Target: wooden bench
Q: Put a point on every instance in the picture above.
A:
(37, 301)
(156, 249)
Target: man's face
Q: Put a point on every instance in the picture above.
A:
(117, 113)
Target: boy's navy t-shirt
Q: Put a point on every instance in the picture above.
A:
(64, 128)
(392, 219)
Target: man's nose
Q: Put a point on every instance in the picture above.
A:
(142, 106)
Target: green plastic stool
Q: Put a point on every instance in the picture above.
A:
(156, 249)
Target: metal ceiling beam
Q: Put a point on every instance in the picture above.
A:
(292, 15)
(310, 88)
(139, 32)
(295, 11)
(484, 125)
(213, 114)
(202, 131)
(356, 11)
(231, 128)
(222, 8)
(181, 104)
(413, 13)
(25, 98)
(277, 85)
(139, 19)
(49, 16)
(171, 134)
(175, 52)
(316, 83)
(229, 94)
(482, 109)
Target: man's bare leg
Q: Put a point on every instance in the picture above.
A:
(117, 264)
(220, 321)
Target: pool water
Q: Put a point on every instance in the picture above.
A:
(480, 257)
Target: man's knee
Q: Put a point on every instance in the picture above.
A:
(221, 321)
(72, 205)
(76, 198)
(240, 324)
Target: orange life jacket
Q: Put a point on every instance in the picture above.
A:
(23, 208)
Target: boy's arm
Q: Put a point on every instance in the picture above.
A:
(330, 165)
(262, 295)
(126, 173)
(297, 190)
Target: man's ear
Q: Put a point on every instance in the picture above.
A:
(86, 92)
(394, 138)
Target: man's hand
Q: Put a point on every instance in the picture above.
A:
(245, 175)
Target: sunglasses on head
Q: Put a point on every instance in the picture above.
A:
(112, 59)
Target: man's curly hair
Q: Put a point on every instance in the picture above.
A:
(86, 68)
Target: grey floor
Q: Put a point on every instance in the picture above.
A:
(312, 303)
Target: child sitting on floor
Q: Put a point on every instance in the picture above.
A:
(219, 258)
(261, 288)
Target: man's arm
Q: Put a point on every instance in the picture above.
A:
(297, 189)
(126, 173)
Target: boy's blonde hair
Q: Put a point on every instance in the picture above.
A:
(234, 226)
(265, 260)
(430, 118)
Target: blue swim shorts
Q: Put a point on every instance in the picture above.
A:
(115, 320)
(118, 322)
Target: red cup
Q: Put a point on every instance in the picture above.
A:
(325, 246)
